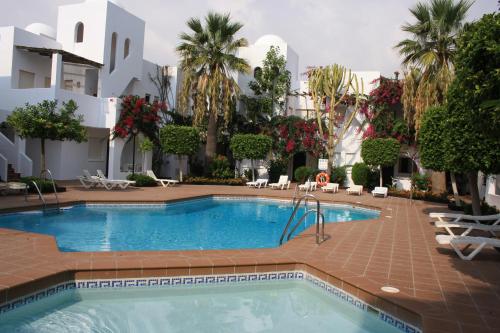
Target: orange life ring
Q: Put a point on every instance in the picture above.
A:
(322, 179)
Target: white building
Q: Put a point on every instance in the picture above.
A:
(95, 56)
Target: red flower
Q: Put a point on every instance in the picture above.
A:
(290, 145)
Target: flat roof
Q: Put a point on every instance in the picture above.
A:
(66, 56)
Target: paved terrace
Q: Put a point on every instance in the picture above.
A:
(444, 292)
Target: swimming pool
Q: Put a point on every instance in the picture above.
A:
(208, 223)
(293, 302)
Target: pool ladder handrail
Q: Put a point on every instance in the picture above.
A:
(320, 219)
(40, 195)
(297, 190)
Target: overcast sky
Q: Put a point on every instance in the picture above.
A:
(358, 34)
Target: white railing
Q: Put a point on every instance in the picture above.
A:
(9, 150)
(3, 168)
(25, 165)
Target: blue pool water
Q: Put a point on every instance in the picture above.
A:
(285, 306)
(209, 223)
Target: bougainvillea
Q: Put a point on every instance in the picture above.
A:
(294, 134)
(136, 113)
(381, 112)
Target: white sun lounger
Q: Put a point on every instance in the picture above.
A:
(308, 186)
(456, 241)
(109, 184)
(380, 190)
(89, 181)
(164, 182)
(330, 187)
(454, 221)
(282, 183)
(355, 189)
(454, 218)
(260, 182)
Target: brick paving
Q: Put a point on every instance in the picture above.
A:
(399, 249)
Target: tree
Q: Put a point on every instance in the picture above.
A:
(380, 152)
(180, 141)
(272, 81)
(208, 61)
(42, 121)
(429, 54)
(472, 135)
(331, 85)
(161, 80)
(250, 146)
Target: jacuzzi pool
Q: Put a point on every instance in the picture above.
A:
(208, 223)
(284, 302)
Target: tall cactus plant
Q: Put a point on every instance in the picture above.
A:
(331, 85)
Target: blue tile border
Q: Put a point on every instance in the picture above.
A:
(212, 280)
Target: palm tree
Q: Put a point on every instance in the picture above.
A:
(208, 60)
(428, 54)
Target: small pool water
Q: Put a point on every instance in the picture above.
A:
(284, 306)
(202, 224)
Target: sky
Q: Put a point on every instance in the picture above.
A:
(359, 34)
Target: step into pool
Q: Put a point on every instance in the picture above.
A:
(199, 224)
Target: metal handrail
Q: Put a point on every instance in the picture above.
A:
(317, 226)
(40, 195)
(320, 237)
(42, 173)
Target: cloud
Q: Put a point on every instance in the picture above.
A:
(358, 34)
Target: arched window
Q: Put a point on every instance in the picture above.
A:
(126, 48)
(112, 56)
(79, 32)
(257, 72)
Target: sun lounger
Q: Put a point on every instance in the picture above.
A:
(261, 182)
(109, 184)
(456, 241)
(454, 218)
(355, 189)
(282, 183)
(89, 181)
(459, 221)
(164, 182)
(14, 186)
(308, 186)
(380, 190)
(330, 187)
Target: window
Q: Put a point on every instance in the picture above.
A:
(147, 98)
(68, 85)
(46, 82)
(112, 57)
(126, 48)
(97, 149)
(26, 80)
(257, 72)
(79, 32)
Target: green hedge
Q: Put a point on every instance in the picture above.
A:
(420, 195)
(179, 140)
(250, 146)
(360, 174)
(339, 175)
(215, 181)
(302, 173)
(44, 185)
(142, 180)
(276, 168)
(380, 151)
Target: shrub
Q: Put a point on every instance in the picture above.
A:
(421, 182)
(380, 151)
(338, 175)
(142, 180)
(276, 168)
(214, 181)
(420, 195)
(44, 185)
(485, 209)
(220, 168)
(360, 174)
(248, 173)
(251, 146)
(302, 173)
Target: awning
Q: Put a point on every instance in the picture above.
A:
(66, 56)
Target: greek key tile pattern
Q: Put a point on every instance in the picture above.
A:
(213, 279)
